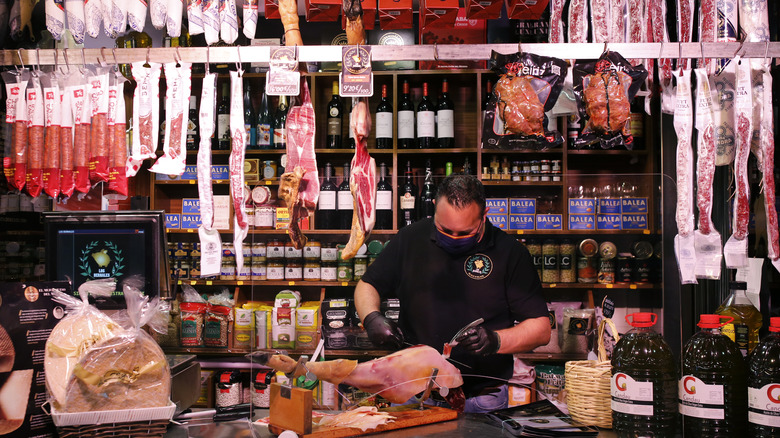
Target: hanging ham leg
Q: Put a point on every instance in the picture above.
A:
(362, 181)
(353, 11)
(288, 10)
(396, 377)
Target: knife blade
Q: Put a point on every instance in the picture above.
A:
(460, 332)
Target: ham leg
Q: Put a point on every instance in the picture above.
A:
(353, 11)
(396, 377)
(288, 10)
(362, 181)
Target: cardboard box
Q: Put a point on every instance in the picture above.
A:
(190, 205)
(636, 221)
(438, 13)
(633, 205)
(582, 206)
(609, 205)
(336, 313)
(308, 315)
(525, 10)
(499, 220)
(397, 37)
(369, 15)
(28, 314)
(497, 205)
(549, 221)
(306, 339)
(464, 31)
(608, 222)
(190, 173)
(483, 9)
(272, 10)
(323, 10)
(172, 221)
(252, 170)
(207, 384)
(582, 222)
(522, 206)
(395, 14)
(219, 172)
(190, 221)
(282, 218)
(521, 221)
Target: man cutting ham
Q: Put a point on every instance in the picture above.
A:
(448, 271)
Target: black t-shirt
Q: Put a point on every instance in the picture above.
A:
(440, 293)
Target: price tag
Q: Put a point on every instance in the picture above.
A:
(646, 232)
(345, 283)
(632, 286)
(520, 232)
(290, 283)
(190, 230)
(179, 282)
(193, 282)
(209, 283)
(551, 285)
(608, 307)
(192, 182)
(356, 78)
(240, 283)
(283, 79)
(610, 286)
(268, 182)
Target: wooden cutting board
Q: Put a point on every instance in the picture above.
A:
(404, 417)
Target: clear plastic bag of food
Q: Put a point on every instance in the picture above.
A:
(125, 371)
(75, 334)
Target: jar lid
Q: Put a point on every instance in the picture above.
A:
(607, 250)
(589, 247)
(713, 321)
(375, 247)
(642, 249)
(642, 319)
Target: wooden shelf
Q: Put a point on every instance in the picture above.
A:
(437, 151)
(352, 151)
(600, 286)
(605, 152)
(579, 232)
(522, 183)
(487, 151)
(282, 283)
(217, 351)
(557, 357)
(284, 232)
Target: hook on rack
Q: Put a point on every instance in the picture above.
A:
(38, 59)
(56, 60)
(113, 53)
(148, 53)
(103, 61)
(238, 54)
(741, 45)
(519, 47)
(208, 57)
(766, 53)
(21, 62)
(178, 55)
(606, 47)
(67, 61)
(435, 51)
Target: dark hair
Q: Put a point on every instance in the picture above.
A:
(462, 190)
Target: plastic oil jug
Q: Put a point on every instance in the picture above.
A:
(764, 385)
(644, 382)
(713, 386)
(747, 319)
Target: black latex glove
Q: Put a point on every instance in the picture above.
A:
(383, 332)
(480, 341)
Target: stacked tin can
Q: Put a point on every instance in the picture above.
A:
(180, 257)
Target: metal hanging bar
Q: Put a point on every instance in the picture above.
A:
(444, 52)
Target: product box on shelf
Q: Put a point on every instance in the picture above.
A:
(396, 37)
(251, 170)
(283, 327)
(633, 205)
(306, 324)
(323, 10)
(190, 174)
(369, 15)
(522, 205)
(526, 10)
(582, 222)
(190, 221)
(484, 9)
(219, 172)
(498, 220)
(206, 398)
(608, 222)
(337, 312)
(635, 221)
(609, 206)
(190, 205)
(222, 212)
(549, 221)
(172, 221)
(390, 308)
(521, 221)
(464, 31)
(497, 205)
(282, 218)
(28, 313)
(582, 206)
(395, 14)
(438, 13)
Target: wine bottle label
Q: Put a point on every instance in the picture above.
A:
(405, 124)
(407, 202)
(426, 124)
(263, 134)
(384, 200)
(384, 125)
(334, 126)
(446, 123)
(700, 400)
(631, 397)
(280, 136)
(763, 406)
(344, 200)
(223, 126)
(326, 200)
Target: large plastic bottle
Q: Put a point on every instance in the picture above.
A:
(644, 382)
(747, 319)
(764, 385)
(713, 386)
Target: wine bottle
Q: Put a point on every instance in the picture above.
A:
(193, 138)
(426, 121)
(280, 125)
(384, 201)
(384, 122)
(428, 194)
(407, 204)
(249, 119)
(405, 119)
(223, 120)
(327, 215)
(335, 115)
(264, 122)
(466, 166)
(344, 202)
(636, 124)
(445, 118)
(350, 135)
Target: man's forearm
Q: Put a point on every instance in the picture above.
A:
(525, 336)
(366, 299)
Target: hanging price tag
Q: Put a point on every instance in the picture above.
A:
(356, 78)
(283, 79)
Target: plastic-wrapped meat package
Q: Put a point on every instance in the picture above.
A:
(636, 32)
(52, 111)
(599, 20)
(617, 21)
(578, 21)
(118, 16)
(236, 165)
(146, 115)
(177, 94)
(98, 146)
(82, 118)
(735, 249)
(726, 30)
(657, 13)
(708, 24)
(67, 183)
(754, 20)
(768, 168)
(117, 124)
(93, 14)
(250, 18)
(55, 18)
(211, 260)
(107, 6)
(604, 90)
(76, 19)
(211, 21)
(228, 20)
(683, 126)
(684, 25)
(158, 12)
(722, 85)
(136, 14)
(195, 16)
(15, 86)
(706, 237)
(173, 18)
(35, 122)
(556, 21)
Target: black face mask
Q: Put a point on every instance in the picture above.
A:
(457, 245)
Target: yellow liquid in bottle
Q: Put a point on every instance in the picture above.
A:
(744, 329)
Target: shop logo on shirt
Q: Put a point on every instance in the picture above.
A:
(478, 266)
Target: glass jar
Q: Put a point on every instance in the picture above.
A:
(329, 252)
(258, 250)
(245, 273)
(361, 263)
(328, 271)
(312, 250)
(275, 269)
(258, 270)
(228, 250)
(228, 270)
(275, 249)
(293, 269)
(535, 250)
(567, 261)
(550, 271)
(291, 252)
(265, 217)
(311, 270)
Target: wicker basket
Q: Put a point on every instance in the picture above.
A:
(587, 386)
(130, 423)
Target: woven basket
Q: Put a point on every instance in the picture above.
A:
(587, 386)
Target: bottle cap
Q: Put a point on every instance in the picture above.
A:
(642, 319)
(774, 324)
(713, 321)
(193, 103)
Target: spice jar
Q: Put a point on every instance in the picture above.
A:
(535, 249)
(192, 316)
(567, 261)
(643, 252)
(550, 273)
(215, 332)
(293, 269)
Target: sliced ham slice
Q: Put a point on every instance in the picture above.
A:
(362, 181)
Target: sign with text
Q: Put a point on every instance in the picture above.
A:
(356, 78)
(283, 79)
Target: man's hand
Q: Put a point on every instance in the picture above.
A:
(480, 341)
(383, 332)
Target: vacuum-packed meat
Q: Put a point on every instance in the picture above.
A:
(519, 105)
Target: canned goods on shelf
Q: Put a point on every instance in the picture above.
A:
(606, 271)
(589, 248)
(607, 250)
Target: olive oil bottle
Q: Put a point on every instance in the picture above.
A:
(764, 385)
(747, 319)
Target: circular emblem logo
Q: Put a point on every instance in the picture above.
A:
(356, 60)
(478, 266)
(284, 58)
